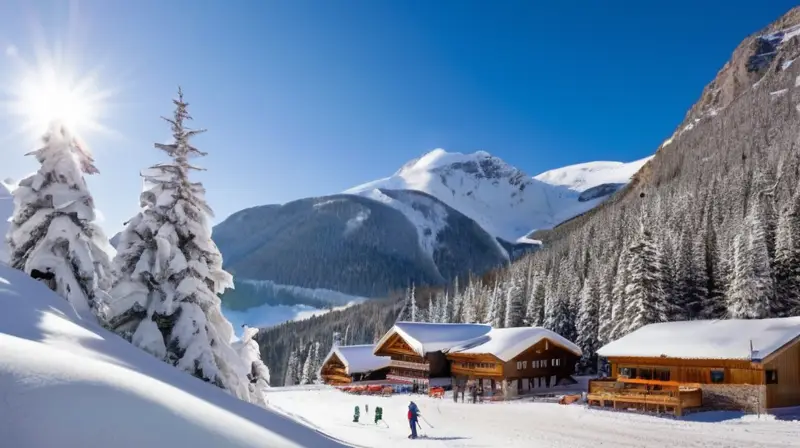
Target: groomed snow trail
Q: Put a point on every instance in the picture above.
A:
(517, 424)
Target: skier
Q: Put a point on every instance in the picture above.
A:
(413, 413)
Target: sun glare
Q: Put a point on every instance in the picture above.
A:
(42, 101)
(44, 96)
(50, 92)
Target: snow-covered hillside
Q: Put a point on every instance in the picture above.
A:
(499, 197)
(583, 176)
(69, 383)
(6, 210)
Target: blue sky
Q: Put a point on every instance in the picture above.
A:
(305, 98)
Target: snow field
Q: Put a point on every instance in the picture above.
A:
(66, 382)
(519, 424)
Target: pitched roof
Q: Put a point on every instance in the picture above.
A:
(358, 358)
(508, 343)
(425, 337)
(707, 339)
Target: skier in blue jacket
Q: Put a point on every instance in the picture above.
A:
(413, 414)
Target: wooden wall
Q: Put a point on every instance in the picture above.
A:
(545, 350)
(786, 362)
(694, 370)
(476, 366)
(486, 365)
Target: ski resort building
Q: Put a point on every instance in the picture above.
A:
(514, 361)
(417, 350)
(714, 364)
(351, 363)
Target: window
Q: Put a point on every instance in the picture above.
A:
(519, 365)
(661, 374)
(629, 372)
(646, 374)
(718, 376)
(524, 364)
(546, 344)
(556, 362)
(544, 363)
(772, 376)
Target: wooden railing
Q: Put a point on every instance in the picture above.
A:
(645, 393)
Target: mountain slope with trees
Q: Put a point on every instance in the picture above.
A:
(708, 229)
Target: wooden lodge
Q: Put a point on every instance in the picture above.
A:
(514, 361)
(353, 363)
(417, 350)
(751, 365)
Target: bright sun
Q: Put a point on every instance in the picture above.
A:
(47, 93)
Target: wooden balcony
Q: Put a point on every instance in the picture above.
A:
(645, 395)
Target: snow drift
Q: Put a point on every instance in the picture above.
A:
(67, 382)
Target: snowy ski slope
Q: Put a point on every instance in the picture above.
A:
(523, 425)
(68, 383)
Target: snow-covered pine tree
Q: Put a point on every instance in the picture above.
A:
(493, 316)
(52, 233)
(714, 306)
(258, 373)
(290, 379)
(413, 302)
(605, 306)
(469, 306)
(308, 366)
(646, 303)
(169, 271)
(787, 257)
(751, 292)
(619, 306)
(317, 376)
(588, 324)
(515, 301)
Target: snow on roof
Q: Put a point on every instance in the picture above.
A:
(707, 339)
(425, 337)
(508, 343)
(358, 358)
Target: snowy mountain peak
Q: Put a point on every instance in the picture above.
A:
(583, 176)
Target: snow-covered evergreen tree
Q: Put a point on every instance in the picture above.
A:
(413, 302)
(169, 271)
(290, 379)
(787, 258)
(605, 306)
(52, 234)
(619, 306)
(644, 293)
(258, 373)
(715, 305)
(751, 294)
(317, 377)
(515, 301)
(588, 324)
(308, 366)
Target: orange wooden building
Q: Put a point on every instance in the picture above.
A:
(514, 361)
(738, 364)
(346, 364)
(417, 350)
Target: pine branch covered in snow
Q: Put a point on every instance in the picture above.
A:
(169, 272)
(258, 375)
(52, 235)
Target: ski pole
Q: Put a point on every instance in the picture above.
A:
(426, 422)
